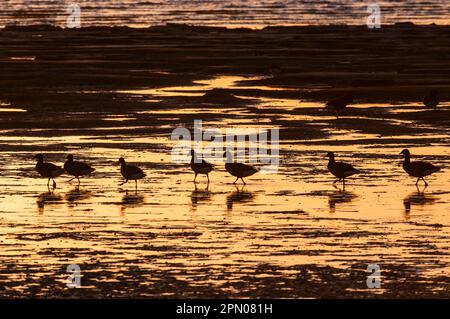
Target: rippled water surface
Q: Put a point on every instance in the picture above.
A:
(222, 13)
(221, 235)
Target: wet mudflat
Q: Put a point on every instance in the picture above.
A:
(105, 93)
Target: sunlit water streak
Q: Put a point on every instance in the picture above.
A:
(234, 13)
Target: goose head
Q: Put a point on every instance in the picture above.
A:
(121, 161)
(405, 152)
(69, 157)
(39, 157)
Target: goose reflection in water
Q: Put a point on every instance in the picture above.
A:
(200, 195)
(47, 198)
(338, 197)
(75, 195)
(130, 200)
(417, 198)
(239, 196)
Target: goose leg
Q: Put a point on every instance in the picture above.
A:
(207, 176)
(70, 180)
(236, 180)
(426, 184)
(243, 181)
(337, 180)
(135, 184)
(79, 182)
(54, 183)
(417, 183)
(48, 183)
(195, 177)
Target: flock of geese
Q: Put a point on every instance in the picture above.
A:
(340, 170)
(130, 172)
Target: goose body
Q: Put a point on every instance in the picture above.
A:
(48, 170)
(76, 168)
(417, 169)
(130, 172)
(340, 169)
(239, 170)
(340, 103)
(431, 99)
(200, 167)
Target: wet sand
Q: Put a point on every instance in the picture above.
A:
(102, 93)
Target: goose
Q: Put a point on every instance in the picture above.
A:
(339, 103)
(339, 169)
(130, 172)
(239, 170)
(76, 168)
(431, 99)
(200, 167)
(417, 169)
(48, 170)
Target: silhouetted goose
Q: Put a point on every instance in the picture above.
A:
(340, 103)
(431, 99)
(48, 170)
(130, 172)
(339, 169)
(239, 170)
(76, 168)
(200, 166)
(417, 169)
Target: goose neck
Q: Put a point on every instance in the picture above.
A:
(407, 159)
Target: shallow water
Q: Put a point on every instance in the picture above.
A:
(234, 13)
(220, 238)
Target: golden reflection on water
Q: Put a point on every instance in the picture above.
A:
(380, 216)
